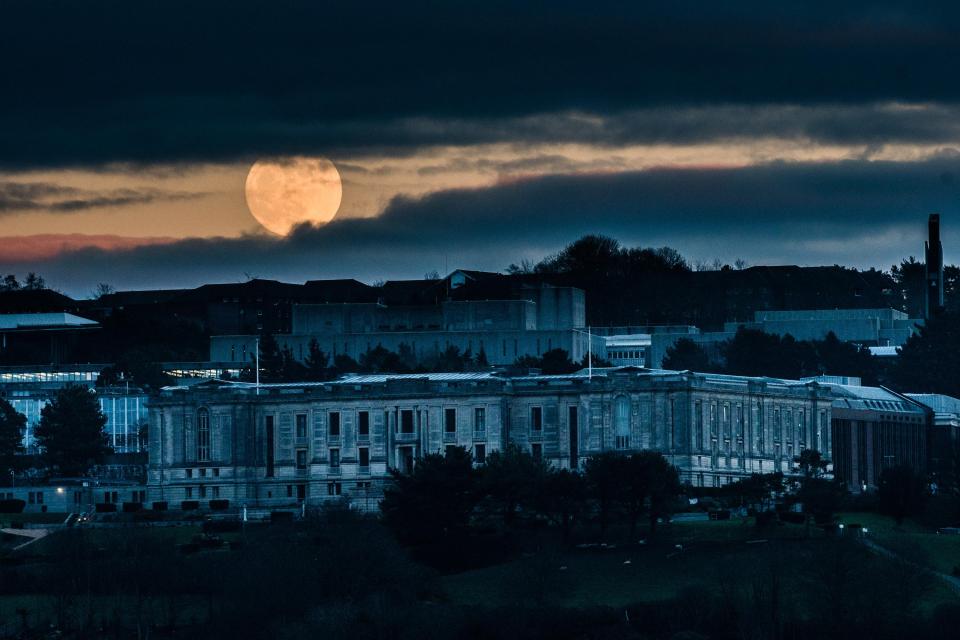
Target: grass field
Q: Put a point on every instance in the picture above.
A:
(911, 540)
(724, 554)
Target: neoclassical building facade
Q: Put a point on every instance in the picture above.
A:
(280, 444)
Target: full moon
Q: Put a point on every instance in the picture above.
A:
(283, 194)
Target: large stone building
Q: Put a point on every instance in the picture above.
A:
(282, 443)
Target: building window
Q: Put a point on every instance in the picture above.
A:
(698, 416)
(216, 472)
(301, 458)
(450, 420)
(203, 491)
(334, 458)
(289, 490)
(215, 492)
(189, 473)
(621, 422)
(334, 489)
(188, 493)
(406, 421)
(203, 435)
(301, 426)
(334, 424)
(536, 418)
(536, 450)
(480, 453)
(363, 457)
(479, 419)
(269, 437)
(363, 423)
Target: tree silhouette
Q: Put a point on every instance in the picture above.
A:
(11, 435)
(434, 501)
(511, 479)
(70, 433)
(902, 492)
(687, 355)
(929, 360)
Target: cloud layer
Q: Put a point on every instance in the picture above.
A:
(854, 212)
(173, 81)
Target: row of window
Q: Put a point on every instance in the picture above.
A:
(363, 457)
(202, 491)
(202, 472)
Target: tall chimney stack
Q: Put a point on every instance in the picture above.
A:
(933, 268)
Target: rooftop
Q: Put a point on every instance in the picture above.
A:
(28, 321)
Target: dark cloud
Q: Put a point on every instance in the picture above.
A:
(18, 197)
(169, 81)
(854, 212)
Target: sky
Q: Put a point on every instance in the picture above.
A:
(471, 134)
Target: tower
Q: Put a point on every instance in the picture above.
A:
(933, 269)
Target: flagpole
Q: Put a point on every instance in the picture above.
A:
(257, 358)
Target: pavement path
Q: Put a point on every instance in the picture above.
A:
(32, 534)
(952, 581)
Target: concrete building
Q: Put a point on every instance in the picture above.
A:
(544, 318)
(48, 337)
(869, 327)
(279, 444)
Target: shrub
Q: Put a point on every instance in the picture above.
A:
(106, 507)
(219, 505)
(160, 505)
(189, 505)
(12, 505)
(132, 507)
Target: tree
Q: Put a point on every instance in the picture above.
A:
(9, 283)
(511, 480)
(70, 434)
(663, 485)
(836, 357)
(269, 358)
(434, 501)
(687, 355)
(910, 278)
(103, 289)
(316, 363)
(604, 474)
(562, 498)
(759, 489)
(34, 282)
(552, 362)
(930, 359)
(12, 424)
(902, 492)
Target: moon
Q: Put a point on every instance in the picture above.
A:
(284, 193)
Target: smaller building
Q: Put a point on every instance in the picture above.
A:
(630, 350)
(869, 327)
(875, 428)
(30, 388)
(75, 495)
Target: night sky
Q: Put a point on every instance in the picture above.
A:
(471, 134)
